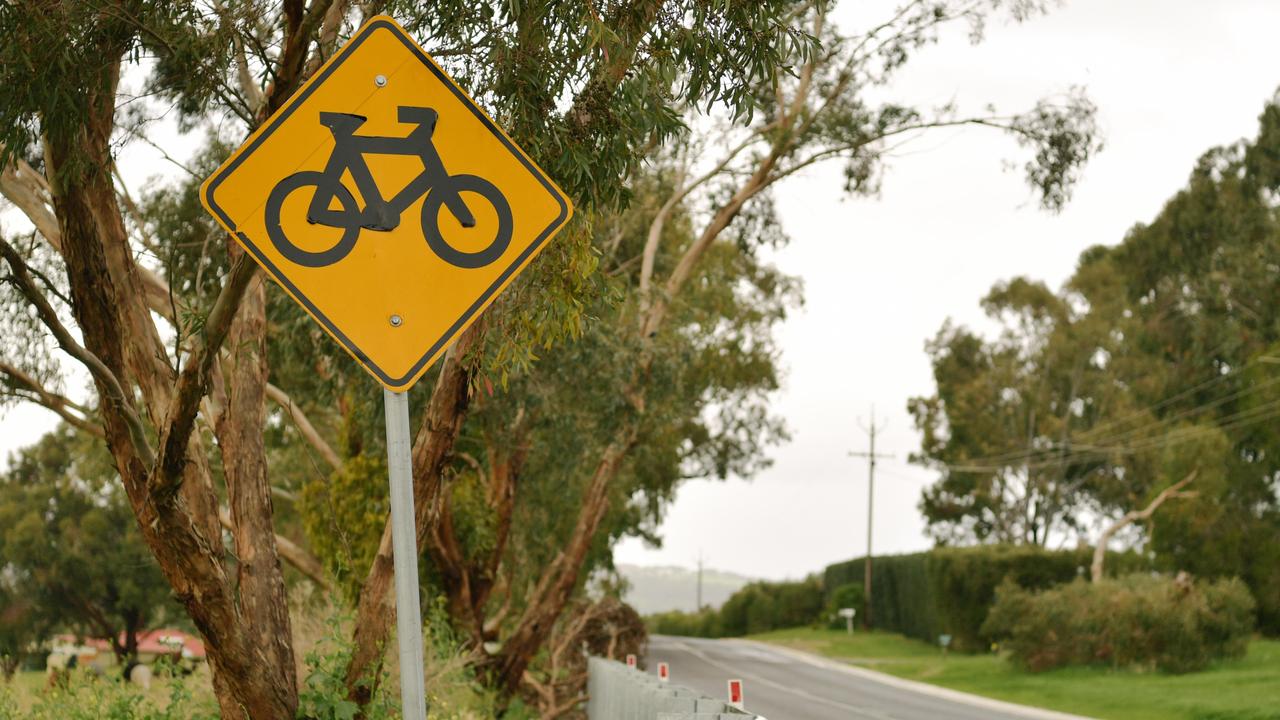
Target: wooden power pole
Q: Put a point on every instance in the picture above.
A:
(871, 457)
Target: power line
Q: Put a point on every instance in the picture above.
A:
(1244, 418)
(1178, 396)
(1111, 443)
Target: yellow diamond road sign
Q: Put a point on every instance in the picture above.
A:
(386, 203)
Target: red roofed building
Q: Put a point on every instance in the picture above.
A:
(152, 645)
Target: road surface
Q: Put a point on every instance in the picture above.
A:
(782, 684)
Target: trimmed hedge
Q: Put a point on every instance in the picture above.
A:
(950, 590)
(1145, 621)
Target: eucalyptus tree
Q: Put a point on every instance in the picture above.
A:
(173, 322)
(1150, 376)
(821, 112)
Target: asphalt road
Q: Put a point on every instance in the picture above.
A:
(784, 685)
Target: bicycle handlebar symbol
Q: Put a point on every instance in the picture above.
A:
(442, 190)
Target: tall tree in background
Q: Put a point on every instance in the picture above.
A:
(1154, 363)
(71, 549)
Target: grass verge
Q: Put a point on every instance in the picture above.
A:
(1246, 689)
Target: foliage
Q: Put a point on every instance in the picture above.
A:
(703, 623)
(323, 695)
(89, 697)
(950, 590)
(902, 597)
(69, 544)
(848, 595)
(756, 608)
(21, 627)
(1175, 625)
(323, 632)
(344, 514)
(1151, 362)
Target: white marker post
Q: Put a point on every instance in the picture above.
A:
(847, 614)
(631, 661)
(735, 695)
(404, 544)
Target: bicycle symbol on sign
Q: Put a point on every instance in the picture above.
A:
(442, 190)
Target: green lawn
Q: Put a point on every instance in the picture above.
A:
(1247, 689)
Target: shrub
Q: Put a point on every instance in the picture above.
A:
(700, 624)
(951, 590)
(848, 595)
(90, 697)
(1140, 620)
(756, 608)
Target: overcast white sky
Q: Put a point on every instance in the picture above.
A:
(1171, 79)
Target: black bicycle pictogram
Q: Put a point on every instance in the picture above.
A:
(442, 190)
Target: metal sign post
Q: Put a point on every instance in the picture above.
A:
(413, 692)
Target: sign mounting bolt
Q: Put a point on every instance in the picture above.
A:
(396, 321)
(380, 80)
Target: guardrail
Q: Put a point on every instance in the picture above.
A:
(617, 692)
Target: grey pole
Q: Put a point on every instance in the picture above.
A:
(871, 489)
(413, 692)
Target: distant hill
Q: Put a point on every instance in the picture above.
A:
(659, 589)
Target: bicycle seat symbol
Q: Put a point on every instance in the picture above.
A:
(442, 190)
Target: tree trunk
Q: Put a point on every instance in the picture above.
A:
(181, 529)
(263, 599)
(468, 582)
(555, 589)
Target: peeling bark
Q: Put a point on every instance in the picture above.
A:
(263, 598)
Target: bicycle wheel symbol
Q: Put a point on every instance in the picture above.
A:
(436, 200)
(323, 187)
(350, 220)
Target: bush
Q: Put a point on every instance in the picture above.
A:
(700, 624)
(87, 696)
(1140, 620)
(950, 590)
(848, 595)
(756, 608)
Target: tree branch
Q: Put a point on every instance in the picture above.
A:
(52, 401)
(27, 190)
(660, 218)
(116, 392)
(294, 554)
(309, 432)
(193, 382)
(1173, 491)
